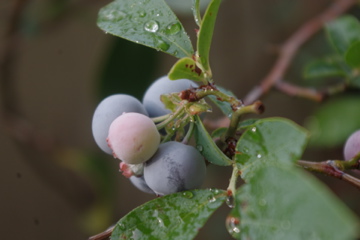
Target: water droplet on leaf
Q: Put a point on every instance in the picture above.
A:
(113, 15)
(200, 148)
(233, 226)
(161, 45)
(188, 194)
(211, 199)
(258, 155)
(262, 202)
(151, 26)
(253, 129)
(142, 14)
(173, 28)
(230, 201)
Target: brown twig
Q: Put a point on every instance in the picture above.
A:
(104, 235)
(334, 168)
(293, 43)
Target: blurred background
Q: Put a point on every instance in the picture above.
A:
(57, 65)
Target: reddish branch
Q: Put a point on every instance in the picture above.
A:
(334, 168)
(290, 47)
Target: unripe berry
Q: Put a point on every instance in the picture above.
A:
(352, 146)
(106, 112)
(133, 137)
(175, 167)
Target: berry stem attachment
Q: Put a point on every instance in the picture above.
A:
(189, 133)
(160, 118)
(232, 184)
(257, 107)
(172, 116)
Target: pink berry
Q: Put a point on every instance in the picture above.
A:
(133, 138)
(352, 146)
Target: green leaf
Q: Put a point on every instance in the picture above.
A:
(177, 216)
(355, 81)
(334, 121)
(207, 146)
(342, 32)
(352, 55)
(206, 33)
(186, 68)
(151, 23)
(223, 106)
(196, 12)
(218, 132)
(269, 141)
(324, 68)
(286, 203)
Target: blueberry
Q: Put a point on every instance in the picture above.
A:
(163, 85)
(175, 167)
(106, 112)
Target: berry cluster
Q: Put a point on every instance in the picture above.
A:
(122, 126)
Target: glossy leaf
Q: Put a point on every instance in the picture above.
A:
(176, 216)
(342, 32)
(334, 121)
(206, 33)
(151, 23)
(286, 203)
(207, 146)
(352, 55)
(324, 68)
(196, 12)
(186, 68)
(269, 141)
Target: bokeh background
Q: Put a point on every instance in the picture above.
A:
(56, 65)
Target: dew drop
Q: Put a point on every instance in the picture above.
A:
(142, 14)
(188, 194)
(246, 150)
(215, 191)
(258, 155)
(122, 226)
(253, 129)
(200, 148)
(151, 26)
(211, 199)
(113, 15)
(161, 45)
(230, 201)
(233, 226)
(262, 202)
(161, 222)
(173, 28)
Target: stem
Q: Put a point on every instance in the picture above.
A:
(235, 103)
(171, 117)
(104, 235)
(293, 43)
(257, 107)
(233, 179)
(160, 118)
(189, 133)
(334, 168)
